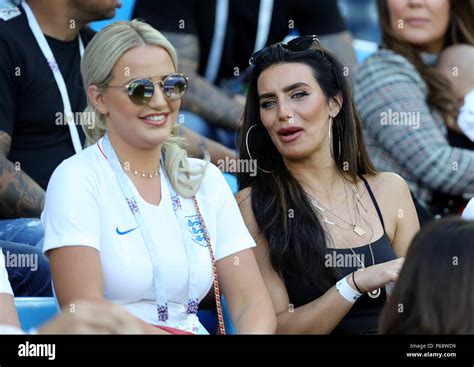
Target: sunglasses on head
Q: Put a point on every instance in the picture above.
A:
(298, 44)
(141, 90)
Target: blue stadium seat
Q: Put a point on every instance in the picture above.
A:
(124, 13)
(35, 311)
(232, 182)
(364, 49)
(229, 326)
(208, 319)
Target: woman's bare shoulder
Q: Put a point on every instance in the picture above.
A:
(387, 183)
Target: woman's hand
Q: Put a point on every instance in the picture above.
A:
(376, 276)
(87, 317)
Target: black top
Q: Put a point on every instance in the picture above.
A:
(319, 17)
(363, 317)
(30, 98)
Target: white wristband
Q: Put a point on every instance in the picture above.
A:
(346, 291)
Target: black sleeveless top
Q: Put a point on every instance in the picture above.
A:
(363, 317)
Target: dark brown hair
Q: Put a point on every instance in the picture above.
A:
(460, 30)
(296, 239)
(433, 294)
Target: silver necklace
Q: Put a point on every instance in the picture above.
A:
(356, 199)
(376, 292)
(354, 226)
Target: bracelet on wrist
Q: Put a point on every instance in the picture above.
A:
(354, 281)
(346, 291)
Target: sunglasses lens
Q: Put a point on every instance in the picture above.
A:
(140, 91)
(301, 43)
(174, 86)
(298, 44)
(256, 56)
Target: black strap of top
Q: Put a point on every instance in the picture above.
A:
(373, 200)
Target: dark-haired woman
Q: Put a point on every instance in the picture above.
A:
(433, 294)
(330, 231)
(408, 108)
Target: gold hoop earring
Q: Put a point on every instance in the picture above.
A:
(248, 150)
(338, 139)
(330, 127)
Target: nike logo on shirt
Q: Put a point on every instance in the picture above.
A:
(124, 232)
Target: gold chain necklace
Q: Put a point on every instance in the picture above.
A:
(315, 203)
(128, 168)
(356, 199)
(354, 226)
(376, 292)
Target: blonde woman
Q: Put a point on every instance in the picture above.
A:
(129, 219)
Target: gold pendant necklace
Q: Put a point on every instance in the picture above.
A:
(376, 292)
(317, 204)
(128, 168)
(357, 229)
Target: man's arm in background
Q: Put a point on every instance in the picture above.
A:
(341, 44)
(216, 151)
(203, 98)
(20, 196)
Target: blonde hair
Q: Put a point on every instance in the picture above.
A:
(100, 56)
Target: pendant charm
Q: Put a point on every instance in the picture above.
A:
(375, 293)
(321, 209)
(326, 220)
(360, 232)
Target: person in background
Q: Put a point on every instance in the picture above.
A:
(433, 294)
(361, 18)
(456, 64)
(215, 39)
(84, 318)
(316, 197)
(28, 270)
(131, 219)
(34, 134)
(409, 109)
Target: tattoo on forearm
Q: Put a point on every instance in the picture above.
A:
(20, 196)
(212, 104)
(203, 98)
(5, 143)
(187, 47)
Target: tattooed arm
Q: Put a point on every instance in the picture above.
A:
(203, 98)
(194, 143)
(20, 196)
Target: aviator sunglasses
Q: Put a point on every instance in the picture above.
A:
(141, 90)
